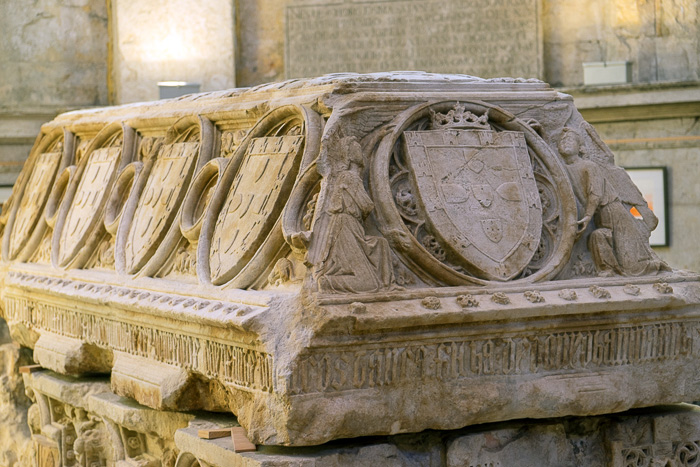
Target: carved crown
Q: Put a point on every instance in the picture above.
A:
(459, 118)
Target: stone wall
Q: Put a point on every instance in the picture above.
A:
(260, 41)
(53, 57)
(436, 36)
(659, 37)
(183, 40)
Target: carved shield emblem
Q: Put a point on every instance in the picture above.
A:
(89, 197)
(159, 202)
(483, 194)
(493, 228)
(253, 204)
(494, 221)
(33, 200)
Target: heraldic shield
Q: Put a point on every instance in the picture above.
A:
(479, 194)
(253, 204)
(35, 195)
(90, 195)
(159, 202)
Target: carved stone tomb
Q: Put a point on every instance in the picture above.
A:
(338, 257)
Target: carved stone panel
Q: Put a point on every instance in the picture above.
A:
(78, 223)
(83, 424)
(471, 193)
(47, 453)
(253, 203)
(89, 196)
(480, 196)
(33, 201)
(159, 201)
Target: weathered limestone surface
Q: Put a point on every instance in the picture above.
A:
(184, 40)
(348, 256)
(15, 438)
(660, 38)
(662, 436)
(53, 57)
(36, 49)
(260, 41)
(79, 421)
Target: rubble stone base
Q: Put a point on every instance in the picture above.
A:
(80, 419)
(15, 439)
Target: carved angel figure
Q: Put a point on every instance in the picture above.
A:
(346, 259)
(620, 243)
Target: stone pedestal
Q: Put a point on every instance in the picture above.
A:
(91, 423)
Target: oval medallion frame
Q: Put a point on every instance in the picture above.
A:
(415, 255)
(198, 196)
(111, 138)
(257, 257)
(20, 247)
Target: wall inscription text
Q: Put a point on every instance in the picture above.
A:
(435, 36)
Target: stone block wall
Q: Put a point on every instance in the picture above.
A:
(53, 58)
(659, 37)
(183, 40)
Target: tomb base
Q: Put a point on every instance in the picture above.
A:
(401, 362)
(82, 420)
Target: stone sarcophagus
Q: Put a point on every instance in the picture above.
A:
(347, 256)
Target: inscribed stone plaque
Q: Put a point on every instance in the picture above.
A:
(487, 38)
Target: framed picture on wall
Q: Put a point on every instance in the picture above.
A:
(652, 182)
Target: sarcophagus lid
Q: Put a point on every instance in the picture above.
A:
(346, 256)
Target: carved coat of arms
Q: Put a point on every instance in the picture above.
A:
(33, 200)
(252, 206)
(159, 202)
(90, 195)
(479, 194)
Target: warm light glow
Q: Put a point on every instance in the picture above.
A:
(157, 41)
(170, 45)
(626, 14)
